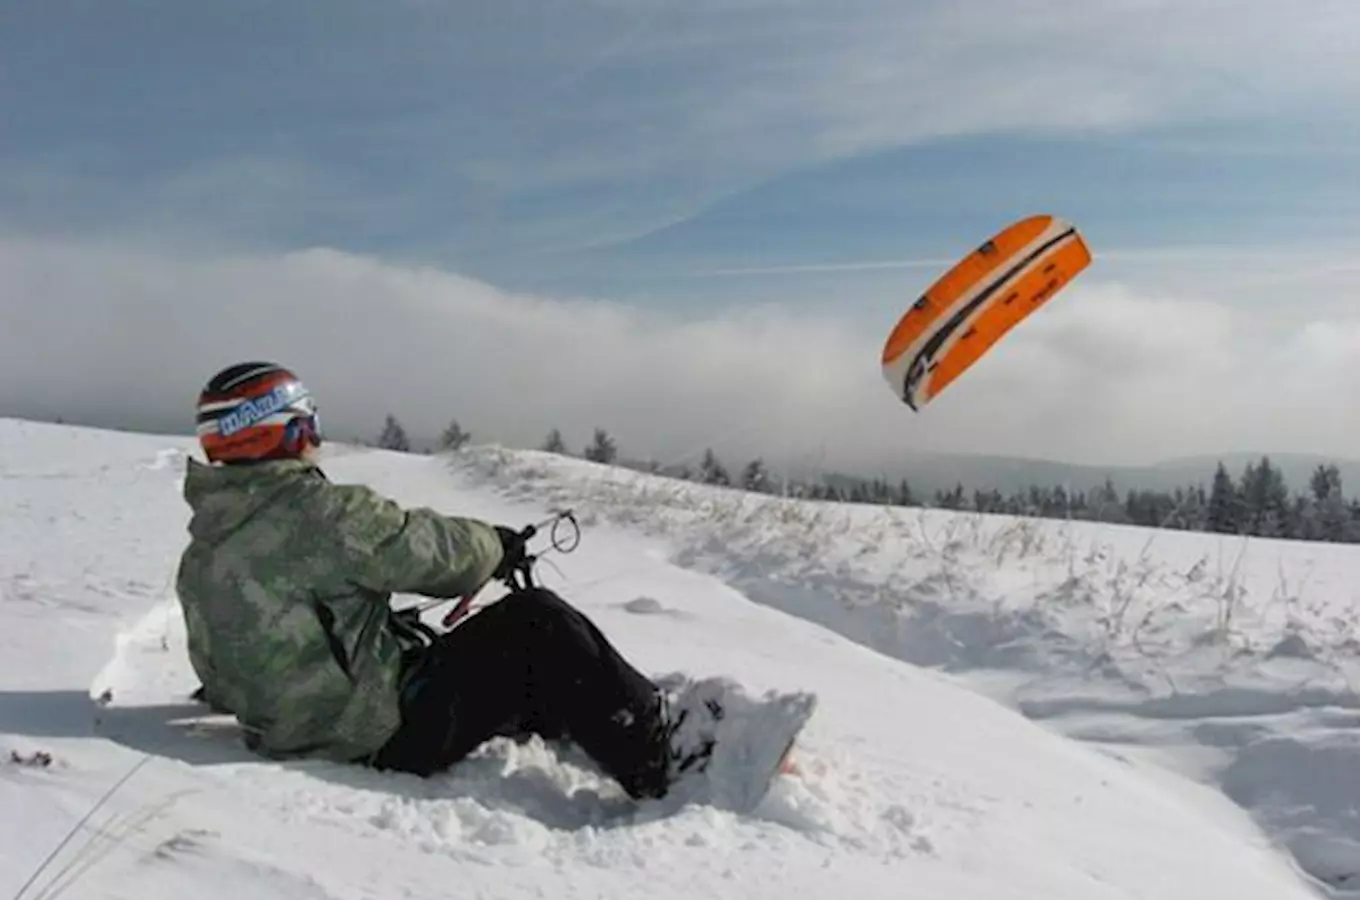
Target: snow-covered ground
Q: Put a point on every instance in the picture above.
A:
(1228, 660)
(1206, 681)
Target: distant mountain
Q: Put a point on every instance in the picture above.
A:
(929, 472)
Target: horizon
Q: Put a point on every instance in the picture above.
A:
(692, 226)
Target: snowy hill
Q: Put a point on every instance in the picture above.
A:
(1206, 682)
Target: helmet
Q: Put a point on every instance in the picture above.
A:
(256, 411)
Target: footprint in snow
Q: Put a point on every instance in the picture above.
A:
(904, 821)
(649, 606)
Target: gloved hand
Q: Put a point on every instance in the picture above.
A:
(513, 544)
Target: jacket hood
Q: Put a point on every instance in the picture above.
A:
(225, 497)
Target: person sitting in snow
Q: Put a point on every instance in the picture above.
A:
(285, 587)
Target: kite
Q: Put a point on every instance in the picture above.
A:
(973, 305)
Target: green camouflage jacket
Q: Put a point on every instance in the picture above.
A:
(285, 586)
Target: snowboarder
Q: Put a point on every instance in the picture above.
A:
(285, 589)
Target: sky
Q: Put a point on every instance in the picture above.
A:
(692, 224)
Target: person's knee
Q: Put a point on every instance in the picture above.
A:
(541, 604)
(546, 614)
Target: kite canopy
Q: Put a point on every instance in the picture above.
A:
(973, 305)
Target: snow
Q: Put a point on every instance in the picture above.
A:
(1007, 708)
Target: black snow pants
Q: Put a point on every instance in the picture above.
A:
(530, 663)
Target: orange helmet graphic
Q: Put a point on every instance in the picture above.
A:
(256, 411)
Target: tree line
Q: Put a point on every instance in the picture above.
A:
(603, 448)
(1256, 502)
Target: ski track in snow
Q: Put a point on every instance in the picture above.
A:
(1160, 661)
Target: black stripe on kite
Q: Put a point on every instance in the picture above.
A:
(915, 371)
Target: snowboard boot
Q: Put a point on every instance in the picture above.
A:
(691, 717)
(726, 747)
(682, 738)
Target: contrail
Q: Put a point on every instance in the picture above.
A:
(826, 267)
(1158, 255)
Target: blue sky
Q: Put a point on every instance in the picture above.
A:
(701, 161)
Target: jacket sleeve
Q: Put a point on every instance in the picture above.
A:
(385, 547)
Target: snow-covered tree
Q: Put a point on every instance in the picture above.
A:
(754, 477)
(602, 449)
(454, 437)
(712, 471)
(554, 442)
(393, 436)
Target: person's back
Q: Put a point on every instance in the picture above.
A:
(285, 586)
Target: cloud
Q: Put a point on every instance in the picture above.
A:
(762, 87)
(1109, 374)
(1047, 65)
(119, 336)
(582, 122)
(114, 335)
